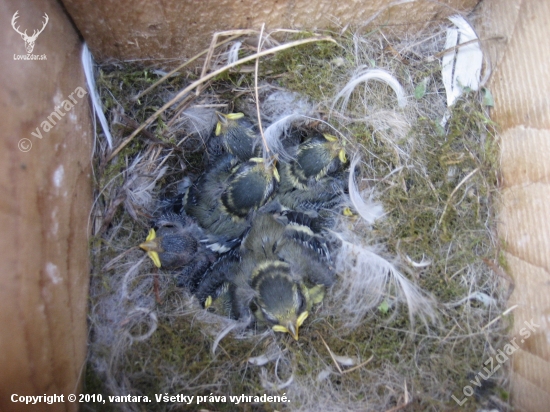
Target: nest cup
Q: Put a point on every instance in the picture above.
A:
(389, 344)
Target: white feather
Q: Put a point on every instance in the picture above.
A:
(344, 360)
(265, 358)
(323, 375)
(364, 75)
(153, 323)
(233, 53)
(275, 132)
(461, 66)
(97, 107)
(368, 279)
(479, 296)
(369, 210)
(422, 264)
(139, 185)
(284, 109)
(281, 103)
(232, 325)
(197, 120)
(271, 386)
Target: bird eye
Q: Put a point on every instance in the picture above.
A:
(269, 317)
(301, 302)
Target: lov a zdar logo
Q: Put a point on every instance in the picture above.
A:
(29, 40)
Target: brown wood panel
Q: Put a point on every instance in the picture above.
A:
(517, 33)
(44, 207)
(178, 29)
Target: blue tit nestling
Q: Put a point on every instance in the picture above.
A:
(250, 186)
(313, 181)
(284, 271)
(215, 289)
(224, 198)
(315, 158)
(176, 242)
(322, 194)
(238, 135)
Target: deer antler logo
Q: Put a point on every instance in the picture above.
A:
(29, 40)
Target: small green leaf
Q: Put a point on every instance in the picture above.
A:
(384, 307)
(420, 89)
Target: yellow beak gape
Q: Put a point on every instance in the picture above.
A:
(230, 116)
(292, 329)
(150, 246)
(303, 316)
(330, 137)
(342, 156)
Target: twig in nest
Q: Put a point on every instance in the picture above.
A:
(184, 104)
(343, 372)
(256, 67)
(406, 401)
(130, 123)
(213, 44)
(170, 73)
(507, 311)
(200, 81)
(331, 355)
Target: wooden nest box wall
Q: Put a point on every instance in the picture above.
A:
(47, 140)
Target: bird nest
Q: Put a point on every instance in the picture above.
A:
(415, 311)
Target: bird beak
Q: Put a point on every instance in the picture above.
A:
(292, 327)
(330, 137)
(342, 156)
(152, 248)
(293, 330)
(276, 174)
(275, 171)
(348, 212)
(222, 120)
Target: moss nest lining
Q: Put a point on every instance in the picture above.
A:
(436, 180)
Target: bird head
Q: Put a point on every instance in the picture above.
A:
(270, 166)
(226, 121)
(152, 247)
(249, 187)
(282, 302)
(238, 135)
(336, 147)
(174, 243)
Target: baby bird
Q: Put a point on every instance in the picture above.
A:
(314, 179)
(284, 271)
(223, 199)
(319, 195)
(315, 158)
(215, 291)
(238, 135)
(249, 187)
(177, 243)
